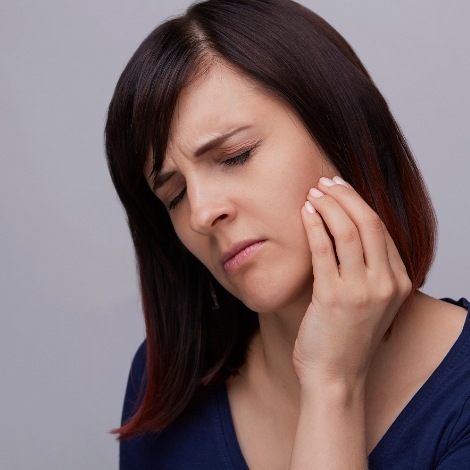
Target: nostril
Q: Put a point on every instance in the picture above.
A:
(220, 217)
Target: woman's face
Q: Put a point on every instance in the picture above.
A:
(237, 170)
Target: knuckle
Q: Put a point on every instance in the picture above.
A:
(373, 222)
(360, 299)
(387, 289)
(350, 235)
(338, 189)
(322, 249)
(359, 295)
(326, 201)
(316, 223)
(406, 285)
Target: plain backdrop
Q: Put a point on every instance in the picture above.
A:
(70, 311)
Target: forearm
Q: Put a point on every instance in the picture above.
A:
(331, 429)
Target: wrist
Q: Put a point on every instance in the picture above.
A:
(336, 391)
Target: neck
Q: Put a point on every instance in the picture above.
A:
(270, 355)
(269, 366)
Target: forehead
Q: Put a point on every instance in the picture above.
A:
(213, 104)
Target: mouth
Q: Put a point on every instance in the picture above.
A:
(239, 253)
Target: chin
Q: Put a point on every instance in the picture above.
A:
(267, 298)
(280, 287)
(261, 305)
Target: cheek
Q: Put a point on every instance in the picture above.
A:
(293, 169)
(197, 244)
(181, 228)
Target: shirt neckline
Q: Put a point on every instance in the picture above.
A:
(449, 361)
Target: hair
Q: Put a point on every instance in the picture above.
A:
(197, 332)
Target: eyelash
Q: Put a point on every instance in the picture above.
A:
(238, 160)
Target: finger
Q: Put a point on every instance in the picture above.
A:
(323, 255)
(385, 263)
(368, 223)
(346, 236)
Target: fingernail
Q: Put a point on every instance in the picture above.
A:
(326, 181)
(339, 180)
(309, 208)
(314, 192)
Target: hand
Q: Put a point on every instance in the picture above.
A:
(355, 301)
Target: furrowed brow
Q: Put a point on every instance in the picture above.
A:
(218, 141)
(160, 179)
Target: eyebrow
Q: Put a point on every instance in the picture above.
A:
(216, 142)
(161, 178)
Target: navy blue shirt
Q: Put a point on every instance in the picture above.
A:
(431, 432)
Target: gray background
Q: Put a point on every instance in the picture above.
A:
(70, 313)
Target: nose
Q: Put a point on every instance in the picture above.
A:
(210, 205)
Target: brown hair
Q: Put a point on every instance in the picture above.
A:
(197, 332)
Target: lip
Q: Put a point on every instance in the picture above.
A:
(238, 253)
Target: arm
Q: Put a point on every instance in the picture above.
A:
(353, 304)
(331, 429)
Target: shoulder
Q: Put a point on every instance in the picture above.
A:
(198, 439)
(433, 428)
(436, 341)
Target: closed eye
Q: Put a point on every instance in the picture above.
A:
(238, 160)
(175, 201)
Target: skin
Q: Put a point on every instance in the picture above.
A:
(320, 387)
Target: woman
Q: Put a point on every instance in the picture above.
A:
(262, 171)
